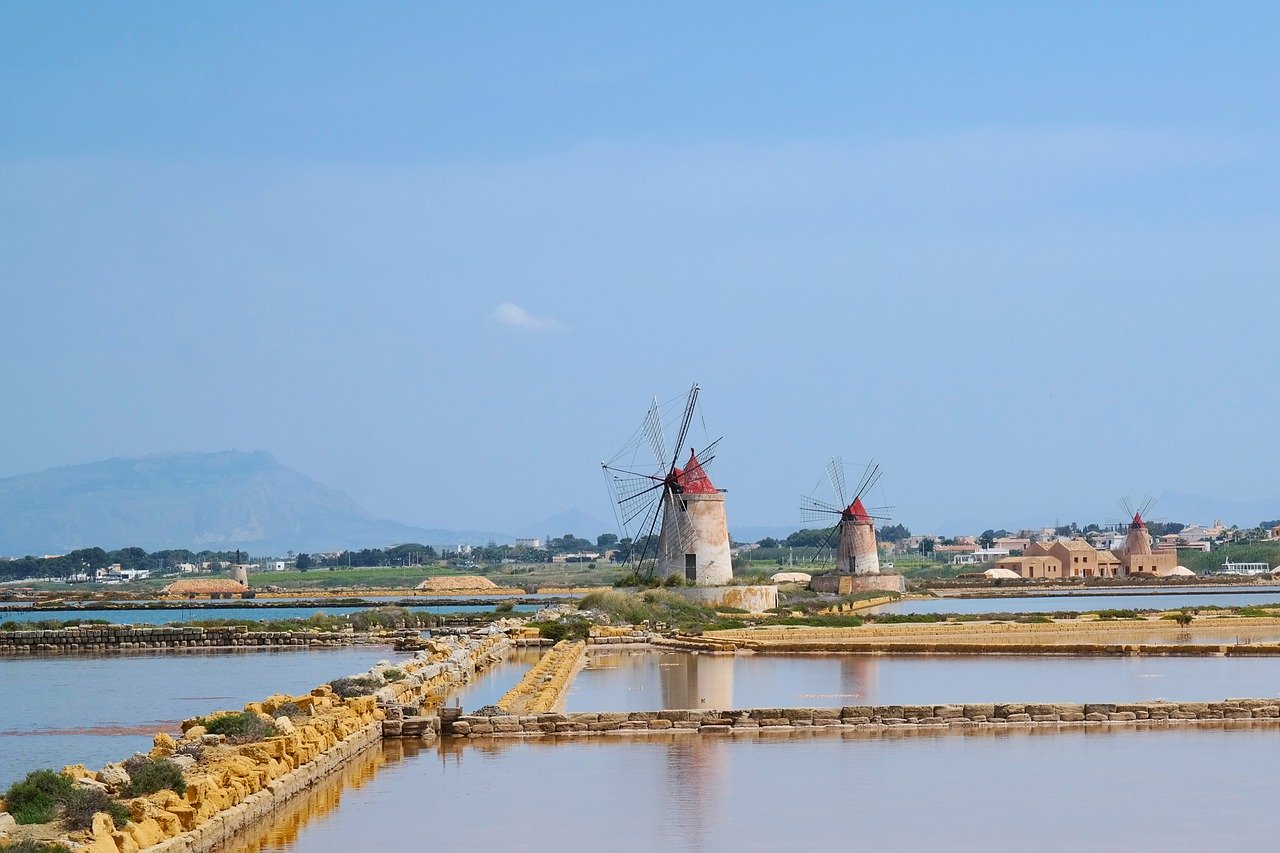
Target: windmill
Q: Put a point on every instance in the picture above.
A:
(651, 492)
(854, 529)
(1138, 541)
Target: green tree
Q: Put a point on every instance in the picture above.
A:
(605, 541)
(893, 533)
(303, 562)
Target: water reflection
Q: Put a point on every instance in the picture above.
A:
(761, 792)
(1080, 603)
(313, 806)
(650, 681)
(695, 774)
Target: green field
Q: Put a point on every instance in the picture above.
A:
(400, 577)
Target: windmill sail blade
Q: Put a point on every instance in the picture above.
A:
(815, 515)
(653, 433)
(649, 525)
(708, 453)
(835, 473)
(809, 502)
(870, 477)
(685, 420)
(824, 545)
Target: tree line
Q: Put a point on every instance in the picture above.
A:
(86, 561)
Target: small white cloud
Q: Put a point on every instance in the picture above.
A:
(517, 318)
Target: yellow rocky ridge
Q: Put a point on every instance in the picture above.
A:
(229, 774)
(543, 686)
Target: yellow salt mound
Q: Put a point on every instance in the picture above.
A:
(458, 583)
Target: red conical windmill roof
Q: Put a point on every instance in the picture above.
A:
(857, 511)
(693, 480)
(1138, 523)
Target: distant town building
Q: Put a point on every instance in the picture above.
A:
(532, 542)
(580, 557)
(1075, 558)
(979, 555)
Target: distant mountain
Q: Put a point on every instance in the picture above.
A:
(199, 501)
(575, 521)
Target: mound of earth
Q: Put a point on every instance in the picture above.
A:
(458, 583)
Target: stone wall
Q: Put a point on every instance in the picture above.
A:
(753, 599)
(846, 584)
(98, 638)
(411, 705)
(1058, 716)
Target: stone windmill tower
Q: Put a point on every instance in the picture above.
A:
(652, 493)
(854, 533)
(1137, 543)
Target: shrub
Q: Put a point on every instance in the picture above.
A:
(240, 727)
(84, 803)
(29, 846)
(36, 798)
(638, 580)
(908, 618)
(568, 628)
(1117, 614)
(290, 710)
(387, 618)
(148, 775)
(392, 674)
(504, 607)
(361, 685)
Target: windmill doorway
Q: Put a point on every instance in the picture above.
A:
(691, 568)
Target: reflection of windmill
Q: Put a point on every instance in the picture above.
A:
(693, 540)
(1138, 540)
(855, 527)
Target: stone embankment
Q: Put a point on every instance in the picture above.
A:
(543, 686)
(412, 703)
(1055, 716)
(1214, 636)
(291, 743)
(99, 638)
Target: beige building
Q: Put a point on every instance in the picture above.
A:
(1042, 566)
(1076, 558)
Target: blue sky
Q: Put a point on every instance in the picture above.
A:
(1025, 257)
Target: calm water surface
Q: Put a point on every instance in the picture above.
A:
(650, 681)
(1121, 791)
(91, 710)
(490, 685)
(1081, 603)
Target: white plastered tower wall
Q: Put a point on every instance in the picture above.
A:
(694, 541)
(856, 551)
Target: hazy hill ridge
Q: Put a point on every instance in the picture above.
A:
(219, 500)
